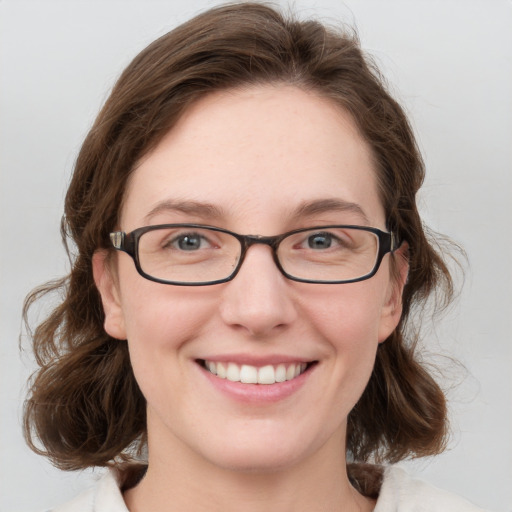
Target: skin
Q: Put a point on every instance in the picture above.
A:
(257, 155)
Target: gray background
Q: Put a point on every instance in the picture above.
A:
(449, 62)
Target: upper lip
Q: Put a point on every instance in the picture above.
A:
(256, 360)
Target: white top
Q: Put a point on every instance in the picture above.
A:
(399, 493)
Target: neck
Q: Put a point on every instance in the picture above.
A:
(190, 483)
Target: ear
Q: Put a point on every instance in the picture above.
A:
(392, 308)
(106, 281)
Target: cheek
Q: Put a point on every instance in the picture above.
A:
(157, 314)
(349, 317)
(160, 322)
(348, 322)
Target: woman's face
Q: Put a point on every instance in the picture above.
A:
(261, 160)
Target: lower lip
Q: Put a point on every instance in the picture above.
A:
(258, 393)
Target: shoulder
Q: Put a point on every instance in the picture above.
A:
(402, 493)
(104, 496)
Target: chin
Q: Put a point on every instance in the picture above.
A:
(251, 461)
(261, 451)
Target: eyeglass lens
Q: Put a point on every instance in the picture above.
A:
(194, 255)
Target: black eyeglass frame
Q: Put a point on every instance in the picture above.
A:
(129, 243)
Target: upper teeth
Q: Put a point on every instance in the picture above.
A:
(248, 374)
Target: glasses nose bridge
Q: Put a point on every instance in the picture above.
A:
(249, 240)
(271, 241)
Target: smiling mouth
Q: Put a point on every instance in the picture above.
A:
(248, 374)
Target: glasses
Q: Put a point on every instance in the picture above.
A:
(197, 255)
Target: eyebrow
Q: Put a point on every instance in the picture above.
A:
(310, 208)
(210, 211)
(195, 208)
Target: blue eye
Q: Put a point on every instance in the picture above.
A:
(320, 241)
(189, 242)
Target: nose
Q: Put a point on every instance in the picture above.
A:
(259, 300)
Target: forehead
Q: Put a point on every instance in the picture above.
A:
(256, 154)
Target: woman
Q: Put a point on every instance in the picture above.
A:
(248, 251)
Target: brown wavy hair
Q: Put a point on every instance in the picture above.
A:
(84, 407)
